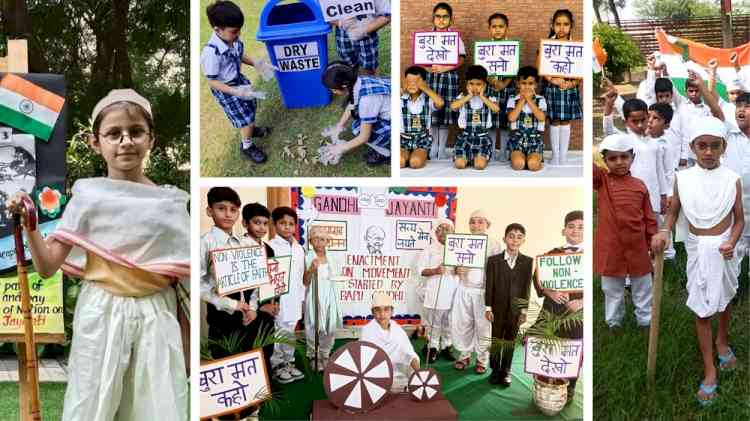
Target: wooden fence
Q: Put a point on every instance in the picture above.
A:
(705, 30)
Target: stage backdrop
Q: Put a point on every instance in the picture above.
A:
(378, 234)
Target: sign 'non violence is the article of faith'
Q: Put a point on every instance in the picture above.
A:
(561, 272)
(239, 269)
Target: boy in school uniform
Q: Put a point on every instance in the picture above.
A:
(417, 104)
(560, 303)
(290, 304)
(473, 145)
(508, 280)
(237, 313)
(357, 39)
(708, 202)
(221, 59)
(526, 116)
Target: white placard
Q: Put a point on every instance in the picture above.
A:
(239, 269)
(373, 260)
(438, 47)
(279, 271)
(561, 59)
(297, 57)
(558, 360)
(334, 10)
(228, 385)
(561, 272)
(336, 230)
(413, 235)
(499, 58)
(468, 250)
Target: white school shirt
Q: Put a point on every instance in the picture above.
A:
(737, 159)
(475, 103)
(541, 103)
(475, 277)
(415, 106)
(730, 112)
(370, 107)
(290, 305)
(431, 258)
(218, 59)
(216, 239)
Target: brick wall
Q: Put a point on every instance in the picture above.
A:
(529, 22)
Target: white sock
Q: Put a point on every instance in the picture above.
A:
(503, 145)
(435, 131)
(554, 142)
(443, 140)
(564, 142)
(493, 137)
(246, 143)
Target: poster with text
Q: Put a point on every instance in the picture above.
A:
(561, 59)
(467, 250)
(239, 269)
(46, 304)
(439, 47)
(559, 359)
(561, 272)
(379, 256)
(228, 385)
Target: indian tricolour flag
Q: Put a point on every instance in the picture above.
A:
(599, 57)
(681, 55)
(28, 107)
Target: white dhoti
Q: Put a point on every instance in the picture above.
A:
(126, 360)
(471, 329)
(712, 280)
(438, 325)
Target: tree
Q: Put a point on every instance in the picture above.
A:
(676, 9)
(102, 45)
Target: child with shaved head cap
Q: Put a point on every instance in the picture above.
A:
(471, 329)
(708, 201)
(624, 229)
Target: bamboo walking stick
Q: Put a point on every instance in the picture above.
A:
(32, 370)
(653, 339)
(317, 319)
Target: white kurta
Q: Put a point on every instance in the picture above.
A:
(396, 344)
(649, 166)
(446, 283)
(471, 330)
(290, 304)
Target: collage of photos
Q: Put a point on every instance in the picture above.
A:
(202, 216)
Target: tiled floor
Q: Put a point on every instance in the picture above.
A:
(444, 168)
(49, 371)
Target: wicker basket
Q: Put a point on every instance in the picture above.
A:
(550, 398)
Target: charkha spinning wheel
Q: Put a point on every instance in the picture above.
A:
(358, 376)
(424, 384)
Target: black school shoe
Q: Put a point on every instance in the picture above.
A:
(253, 153)
(447, 354)
(496, 377)
(506, 381)
(261, 131)
(373, 158)
(433, 355)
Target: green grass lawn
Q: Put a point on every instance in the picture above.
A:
(620, 386)
(220, 156)
(50, 394)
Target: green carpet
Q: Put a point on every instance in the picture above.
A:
(471, 395)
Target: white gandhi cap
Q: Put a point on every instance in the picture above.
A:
(381, 299)
(711, 126)
(121, 95)
(617, 143)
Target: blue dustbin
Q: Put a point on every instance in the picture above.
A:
(296, 37)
